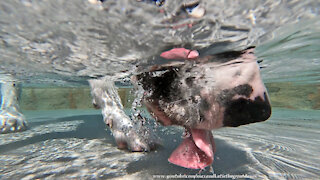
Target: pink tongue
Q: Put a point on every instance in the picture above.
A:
(196, 151)
(180, 53)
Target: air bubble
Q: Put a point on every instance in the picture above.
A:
(186, 134)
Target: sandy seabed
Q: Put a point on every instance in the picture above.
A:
(75, 144)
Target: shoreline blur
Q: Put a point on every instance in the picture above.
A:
(283, 95)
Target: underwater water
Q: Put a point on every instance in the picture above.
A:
(47, 44)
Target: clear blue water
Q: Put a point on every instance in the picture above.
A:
(63, 43)
(76, 144)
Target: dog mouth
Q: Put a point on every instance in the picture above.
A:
(196, 151)
(169, 107)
